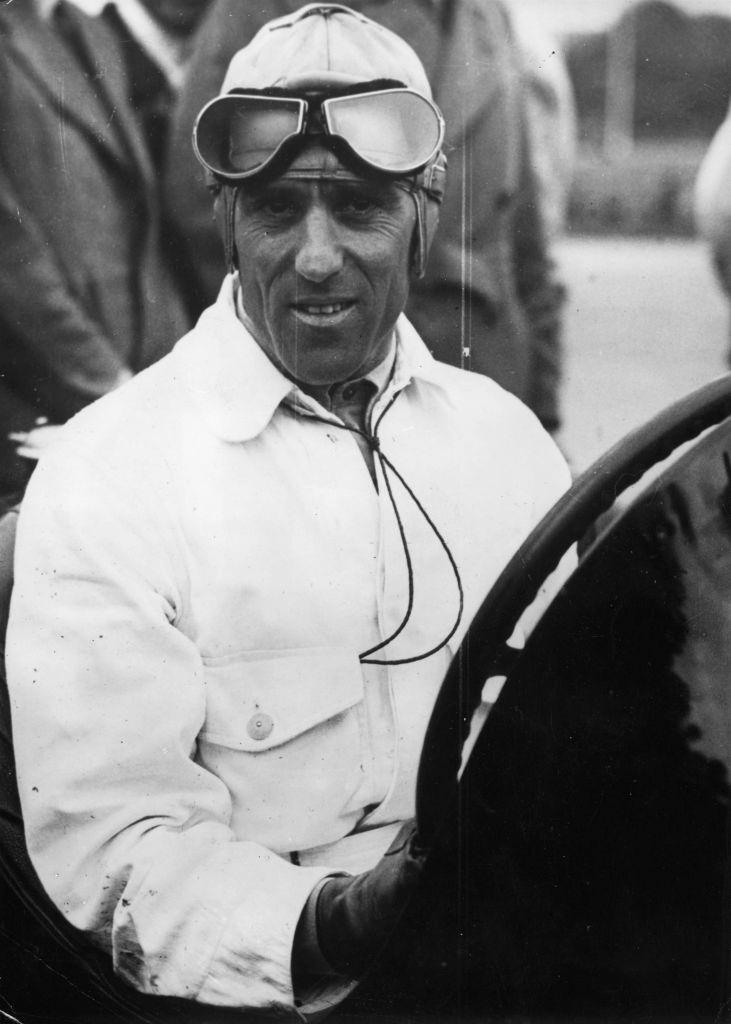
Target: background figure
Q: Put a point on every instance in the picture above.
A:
(87, 296)
(490, 271)
(713, 205)
(155, 37)
(552, 131)
(552, 119)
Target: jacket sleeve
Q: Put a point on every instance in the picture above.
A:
(53, 353)
(129, 834)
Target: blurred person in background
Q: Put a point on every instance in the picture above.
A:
(552, 131)
(87, 293)
(156, 38)
(552, 119)
(489, 300)
(713, 206)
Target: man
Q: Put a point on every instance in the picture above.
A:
(491, 272)
(241, 578)
(87, 293)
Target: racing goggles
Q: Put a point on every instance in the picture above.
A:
(395, 131)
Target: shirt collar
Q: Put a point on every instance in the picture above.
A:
(381, 374)
(238, 388)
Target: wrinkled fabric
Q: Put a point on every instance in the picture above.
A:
(201, 559)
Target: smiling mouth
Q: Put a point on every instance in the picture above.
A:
(323, 309)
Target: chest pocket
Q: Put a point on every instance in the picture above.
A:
(285, 732)
(262, 699)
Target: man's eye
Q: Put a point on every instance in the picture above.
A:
(274, 207)
(277, 207)
(357, 206)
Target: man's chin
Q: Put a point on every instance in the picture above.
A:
(326, 378)
(322, 374)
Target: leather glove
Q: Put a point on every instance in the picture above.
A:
(355, 915)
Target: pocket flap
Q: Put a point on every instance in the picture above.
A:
(257, 700)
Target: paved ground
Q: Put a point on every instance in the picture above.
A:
(645, 324)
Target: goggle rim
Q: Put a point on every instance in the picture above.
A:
(410, 168)
(303, 107)
(292, 101)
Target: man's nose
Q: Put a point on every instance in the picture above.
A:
(320, 254)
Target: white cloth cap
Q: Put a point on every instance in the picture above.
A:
(324, 44)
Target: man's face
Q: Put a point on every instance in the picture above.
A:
(324, 269)
(177, 16)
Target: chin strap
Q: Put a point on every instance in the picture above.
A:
(230, 195)
(421, 248)
(428, 185)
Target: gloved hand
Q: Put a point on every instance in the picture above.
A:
(354, 915)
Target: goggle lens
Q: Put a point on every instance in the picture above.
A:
(394, 131)
(237, 136)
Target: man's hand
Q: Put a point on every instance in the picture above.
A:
(354, 915)
(33, 443)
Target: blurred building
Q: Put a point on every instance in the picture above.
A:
(652, 81)
(570, 17)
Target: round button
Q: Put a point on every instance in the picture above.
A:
(349, 392)
(259, 726)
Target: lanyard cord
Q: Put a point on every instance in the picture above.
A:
(375, 445)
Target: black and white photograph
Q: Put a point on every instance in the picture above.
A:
(365, 512)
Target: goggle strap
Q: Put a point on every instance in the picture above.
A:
(432, 178)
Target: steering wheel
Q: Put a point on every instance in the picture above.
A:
(479, 654)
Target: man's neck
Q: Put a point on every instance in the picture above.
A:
(328, 395)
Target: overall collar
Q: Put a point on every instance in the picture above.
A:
(238, 389)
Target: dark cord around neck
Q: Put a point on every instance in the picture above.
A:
(388, 469)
